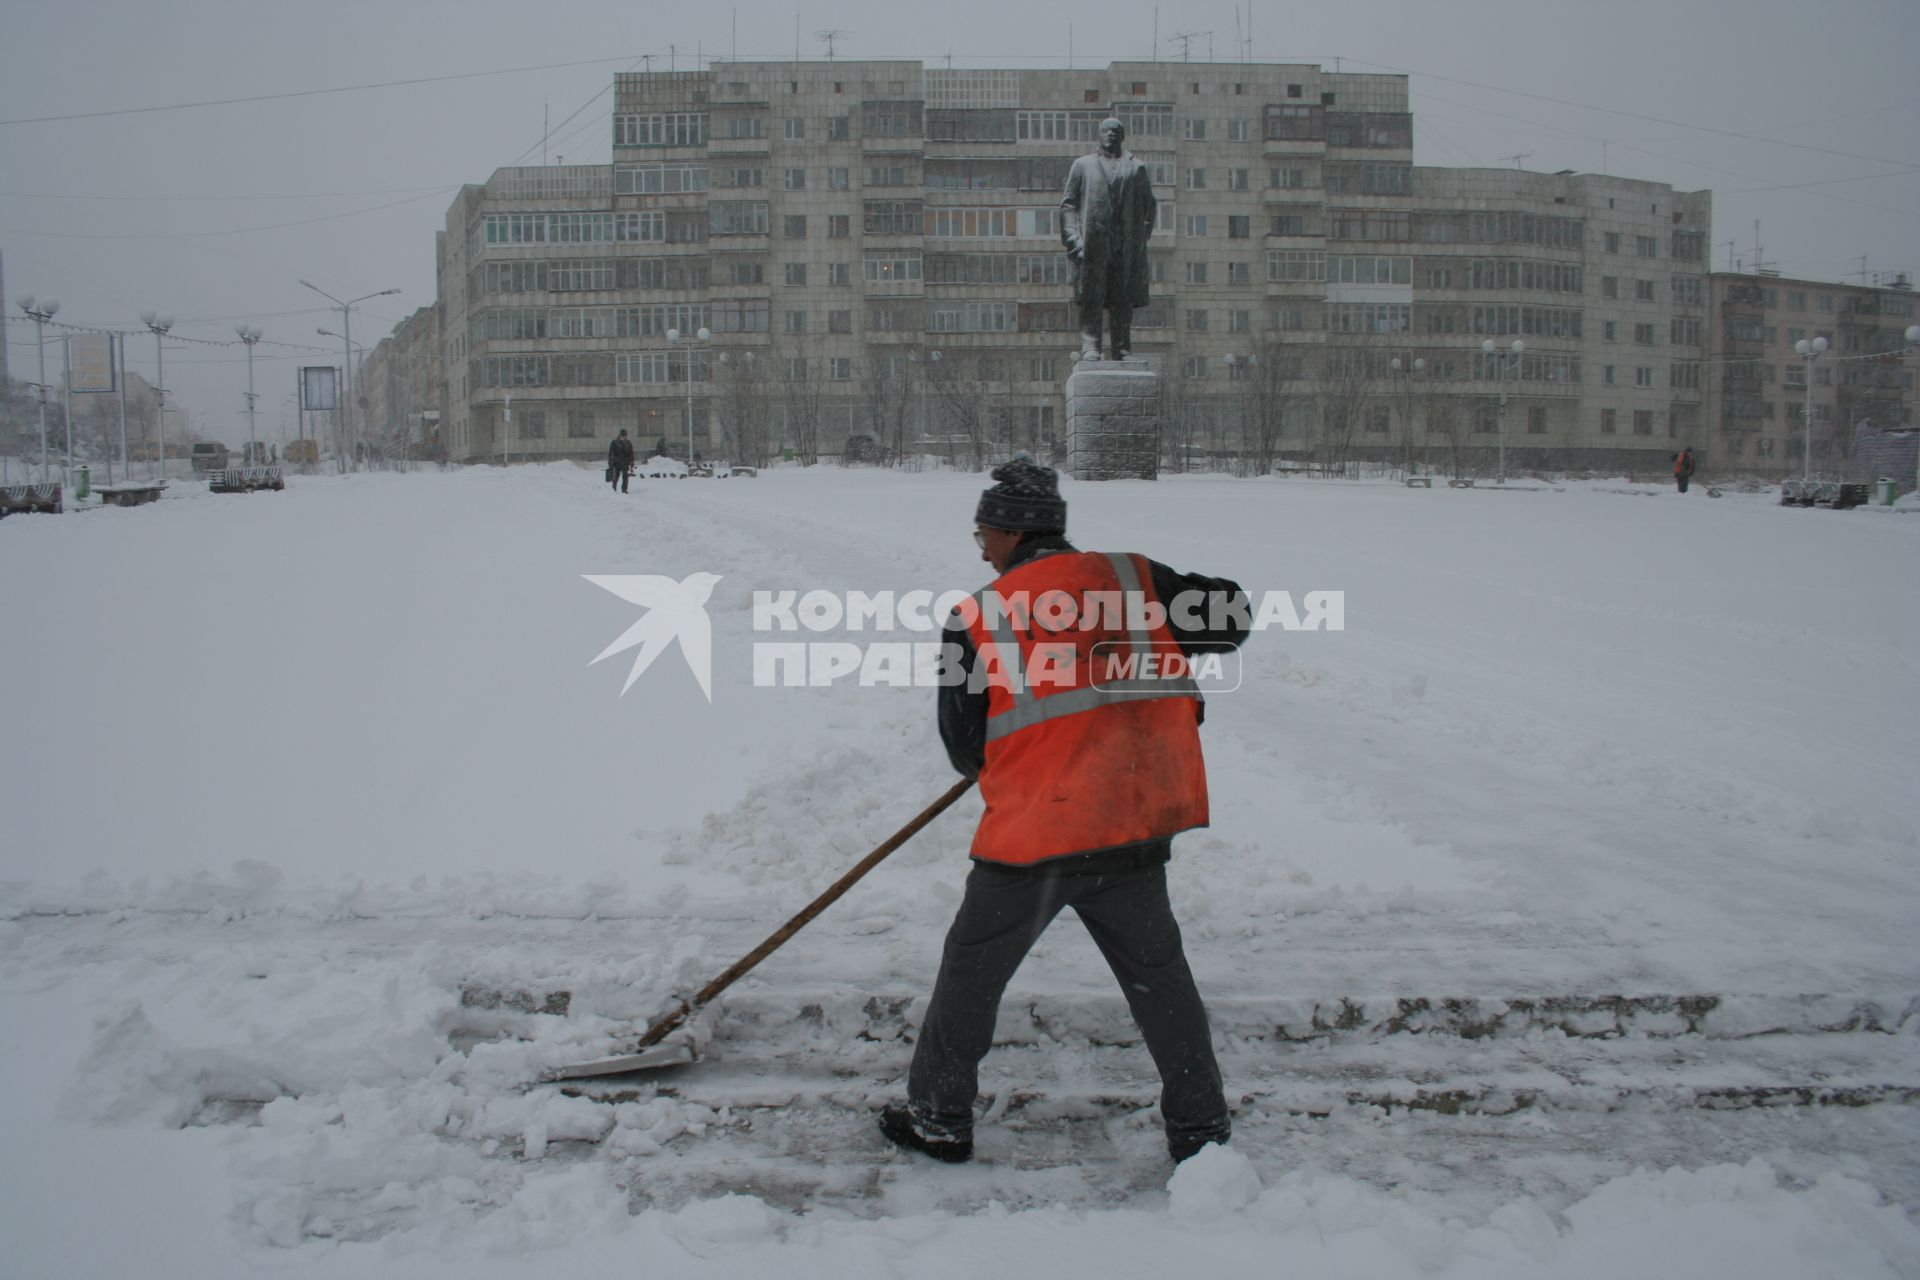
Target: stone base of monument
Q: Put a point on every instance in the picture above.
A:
(1113, 420)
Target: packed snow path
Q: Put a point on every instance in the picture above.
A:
(1587, 846)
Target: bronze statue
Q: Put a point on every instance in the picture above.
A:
(1106, 216)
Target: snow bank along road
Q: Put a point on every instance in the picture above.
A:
(1588, 845)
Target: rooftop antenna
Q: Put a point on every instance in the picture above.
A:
(829, 36)
(1517, 158)
(1069, 46)
(1185, 40)
(1862, 272)
(673, 54)
(545, 131)
(1730, 262)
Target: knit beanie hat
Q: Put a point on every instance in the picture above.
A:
(1027, 499)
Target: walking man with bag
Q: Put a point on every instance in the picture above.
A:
(620, 462)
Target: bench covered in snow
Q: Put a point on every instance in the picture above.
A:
(16, 499)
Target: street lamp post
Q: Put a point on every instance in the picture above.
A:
(159, 324)
(250, 336)
(1406, 370)
(40, 312)
(674, 336)
(351, 347)
(1503, 361)
(1812, 351)
(1250, 363)
(346, 339)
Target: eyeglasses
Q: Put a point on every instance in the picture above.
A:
(980, 539)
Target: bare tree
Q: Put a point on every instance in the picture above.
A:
(799, 387)
(889, 405)
(1270, 386)
(1348, 385)
(960, 409)
(742, 403)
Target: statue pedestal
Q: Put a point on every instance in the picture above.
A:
(1113, 420)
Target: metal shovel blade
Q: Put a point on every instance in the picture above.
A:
(675, 1053)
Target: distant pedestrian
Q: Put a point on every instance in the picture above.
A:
(1683, 468)
(620, 462)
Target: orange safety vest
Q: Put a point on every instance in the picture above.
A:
(1683, 465)
(1075, 762)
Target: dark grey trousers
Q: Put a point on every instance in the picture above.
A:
(1002, 916)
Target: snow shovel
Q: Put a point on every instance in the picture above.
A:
(649, 1053)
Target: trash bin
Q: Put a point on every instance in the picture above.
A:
(81, 475)
(1886, 490)
(786, 454)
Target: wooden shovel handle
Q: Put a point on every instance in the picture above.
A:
(741, 967)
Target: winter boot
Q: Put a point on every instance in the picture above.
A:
(901, 1129)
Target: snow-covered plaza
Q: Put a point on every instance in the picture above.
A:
(1558, 915)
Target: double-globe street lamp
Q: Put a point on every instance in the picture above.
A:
(674, 337)
(1811, 350)
(159, 324)
(1502, 361)
(346, 339)
(251, 336)
(40, 311)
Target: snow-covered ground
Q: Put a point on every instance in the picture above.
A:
(1542, 907)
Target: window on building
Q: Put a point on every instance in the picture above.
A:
(795, 322)
(1613, 241)
(796, 179)
(793, 128)
(1643, 422)
(794, 226)
(580, 425)
(839, 322)
(796, 273)
(839, 226)
(1536, 419)
(1196, 225)
(1196, 273)
(840, 274)
(1643, 291)
(1643, 375)
(1196, 179)
(1609, 286)
(839, 179)
(1609, 422)
(1239, 226)
(1197, 320)
(1194, 367)
(1240, 273)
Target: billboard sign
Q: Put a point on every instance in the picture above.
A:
(318, 388)
(90, 362)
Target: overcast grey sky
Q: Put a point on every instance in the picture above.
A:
(215, 213)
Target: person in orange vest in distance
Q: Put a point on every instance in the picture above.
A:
(1683, 468)
(1086, 779)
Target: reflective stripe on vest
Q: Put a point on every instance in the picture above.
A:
(1028, 710)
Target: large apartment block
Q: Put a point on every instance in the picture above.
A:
(1758, 384)
(874, 247)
